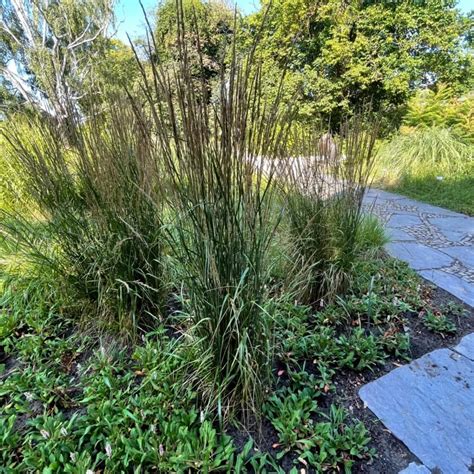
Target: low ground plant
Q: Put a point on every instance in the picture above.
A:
(357, 331)
(321, 441)
(438, 322)
(69, 401)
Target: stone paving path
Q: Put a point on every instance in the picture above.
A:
(437, 243)
(429, 405)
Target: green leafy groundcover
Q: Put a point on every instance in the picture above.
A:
(74, 403)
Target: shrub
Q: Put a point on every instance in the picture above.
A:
(426, 152)
(440, 108)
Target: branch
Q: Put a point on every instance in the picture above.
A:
(79, 41)
(25, 90)
(22, 16)
(10, 32)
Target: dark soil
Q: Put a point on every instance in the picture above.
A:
(391, 454)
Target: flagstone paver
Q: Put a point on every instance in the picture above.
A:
(466, 348)
(436, 242)
(427, 404)
(450, 282)
(414, 468)
(419, 256)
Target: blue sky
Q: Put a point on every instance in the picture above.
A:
(130, 16)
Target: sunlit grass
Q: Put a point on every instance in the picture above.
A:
(429, 164)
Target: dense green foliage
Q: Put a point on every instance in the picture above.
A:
(442, 108)
(432, 157)
(71, 402)
(324, 196)
(428, 151)
(345, 53)
(172, 279)
(58, 57)
(212, 30)
(99, 220)
(337, 55)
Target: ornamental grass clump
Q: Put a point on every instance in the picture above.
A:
(324, 187)
(97, 212)
(221, 196)
(427, 151)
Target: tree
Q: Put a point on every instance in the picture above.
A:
(208, 28)
(116, 69)
(49, 48)
(342, 54)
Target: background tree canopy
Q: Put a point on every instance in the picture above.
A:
(338, 55)
(342, 54)
(209, 28)
(59, 57)
(48, 50)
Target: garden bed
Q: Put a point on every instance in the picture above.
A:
(72, 401)
(392, 454)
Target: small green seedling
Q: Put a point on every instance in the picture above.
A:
(359, 351)
(438, 323)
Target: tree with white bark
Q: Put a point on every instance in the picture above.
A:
(48, 49)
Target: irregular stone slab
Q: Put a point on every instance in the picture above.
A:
(414, 468)
(418, 256)
(429, 239)
(403, 220)
(466, 348)
(459, 224)
(428, 405)
(451, 283)
(382, 195)
(453, 235)
(464, 254)
(398, 234)
(439, 211)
